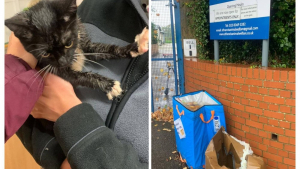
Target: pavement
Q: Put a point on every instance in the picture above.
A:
(163, 147)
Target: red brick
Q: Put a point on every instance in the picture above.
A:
(262, 74)
(263, 134)
(273, 92)
(283, 139)
(263, 120)
(283, 76)
(254, 137)
(263, 91)
(255, 73)
(293, 95)
(245, 88)
(272, 163)
(237, 99)
(290, 118)
(290, 102)
(238, 132)
(289, 148)
(224, 90)
(224, 71)
(269, 75)
(276, 144)
(237, 86)
(244, 101)
(238, 106)
(233, 71)
(245, 128)
(292, 76)
(276, 100)
(290, 133)
(291, 167)
(238, 71)
(245, 115)
(253, 96)
(244, 72)
(272, 156)
(236, 79)
(229, 85)
(273, 107)
(254, 124)
(262, 147)
(249, 73)
(285, 109)
(238, 119)
(292, 141)
(253, 131)
(292, 156)
(263, 105)
(223, 77)
(238, 93)
(253, 89)
(284, 124)
(293, 126)
(253, 103)
(228, 70)
(238, 126)
(290, 86)
(273, 129)
(275, 115)
(253, 110)
(289, 162)
(283, 153)
(278, 85)
(253, 82)
(276, 75)
(273, 122)
(286, 94)
(272, 150)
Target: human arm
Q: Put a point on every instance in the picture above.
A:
(81, 132)
(21, 86)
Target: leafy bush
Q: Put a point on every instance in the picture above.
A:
(282, 36)
(153, 34)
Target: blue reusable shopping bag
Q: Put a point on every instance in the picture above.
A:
(196, 128)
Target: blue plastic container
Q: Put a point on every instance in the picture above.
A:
(198, 127)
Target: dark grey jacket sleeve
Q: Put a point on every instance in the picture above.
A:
(38, 138)
(88, 144)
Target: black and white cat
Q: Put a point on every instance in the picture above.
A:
(52, 32)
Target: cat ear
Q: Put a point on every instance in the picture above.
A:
(19, 24)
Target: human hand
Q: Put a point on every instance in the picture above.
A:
(16, 48)
(65, 165)
(57, 98)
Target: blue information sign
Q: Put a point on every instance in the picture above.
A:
(239, 19)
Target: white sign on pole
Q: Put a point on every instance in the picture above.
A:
(190, 47)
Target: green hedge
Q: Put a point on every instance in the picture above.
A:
(282, 36)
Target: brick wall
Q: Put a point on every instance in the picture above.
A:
(257, 104)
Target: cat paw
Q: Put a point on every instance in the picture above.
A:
(142, 43)
(115, 91)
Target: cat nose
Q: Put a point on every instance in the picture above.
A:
(62, 61)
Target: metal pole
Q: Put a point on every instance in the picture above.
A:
(265, 53)
(216, 49)
(173, 45)
(179, 47)
(152, 100)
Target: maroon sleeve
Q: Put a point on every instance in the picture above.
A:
(22, 89)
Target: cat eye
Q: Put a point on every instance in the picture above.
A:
(45, 55)
(70, 45)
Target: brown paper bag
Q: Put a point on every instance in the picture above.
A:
(229, 153)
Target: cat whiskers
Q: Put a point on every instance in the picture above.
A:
(37, 49)
(95, 63)
(75, 60)
(95, 54)
(37, 74)
(45, 76)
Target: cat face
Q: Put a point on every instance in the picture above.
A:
(49, 31)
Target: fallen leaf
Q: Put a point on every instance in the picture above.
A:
(185, 168)
(171, 89)
(156, 99)
(157, 137)
(156, 125)
(159, 90)
(161, 70)
(172, 126)
(158, 130)
(156, 77)
(164, 123)
(162, 88)
(167, 129)
(165, 98)
(170, 158)
(174, 152)
(169, 76)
